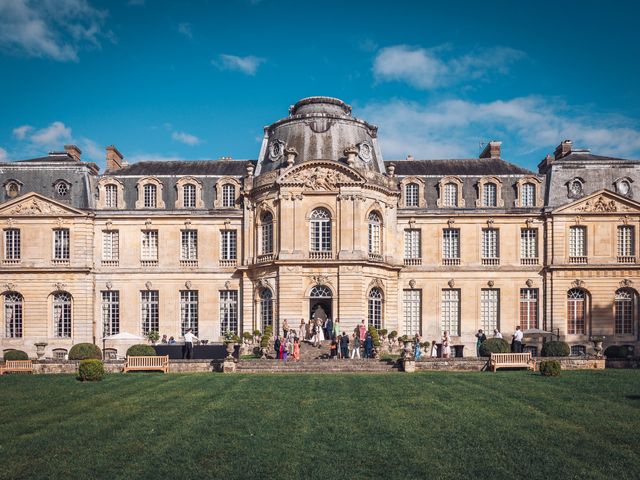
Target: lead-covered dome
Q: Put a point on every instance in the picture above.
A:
(320, 128)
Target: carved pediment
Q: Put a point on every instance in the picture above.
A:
(601, 202)
(320, 176)
(33, 204)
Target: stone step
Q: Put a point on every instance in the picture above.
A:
(317, 366)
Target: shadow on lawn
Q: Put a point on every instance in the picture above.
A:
(632, 397)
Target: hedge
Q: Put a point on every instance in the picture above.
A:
(555, 349)
(141, 350)
(619, 351)
(15, 355)
(90, 370)
(550, 368)
(84, 351)
(494, 345)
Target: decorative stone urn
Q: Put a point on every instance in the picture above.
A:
(407, 352)
(597, 346)
(40, 349)
(230, 348)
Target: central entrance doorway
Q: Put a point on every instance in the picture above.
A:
(320, 303)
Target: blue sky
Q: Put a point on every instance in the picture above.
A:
(199, 80)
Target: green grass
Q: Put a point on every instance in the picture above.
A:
(513, 424)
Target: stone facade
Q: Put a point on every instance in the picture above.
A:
(318, 225)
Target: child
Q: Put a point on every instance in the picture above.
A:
(434, 349)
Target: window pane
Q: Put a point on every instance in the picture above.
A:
(489, 195)
(412, 195)
(528, 195)
(528, 308)
(489, 309)
(412, 309)
(529, 243)
(110, 312)
(12, 244)
(189, 311)
(626, 237)
(228, 245)
(577, 241)
(451, 243)
(375, 308)
(624, 311)
(490, 243)
(150, 196)
(450, 312)
(13, 306)
(189, 248)
(149, 311)
(228, 311)
(62, 315)
(450, 195)
(61, 244)
(412, 243)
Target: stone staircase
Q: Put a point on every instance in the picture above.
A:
(316, 360)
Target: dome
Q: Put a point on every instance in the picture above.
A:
(320, 128)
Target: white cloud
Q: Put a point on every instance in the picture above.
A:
(21, 132)
(55, 29)
(135, 3)
(91, 150)
(53, 135)
(4, 156)
(428, 68)
(185, 29)
(185, 138)
(453, 128)
(248, 65)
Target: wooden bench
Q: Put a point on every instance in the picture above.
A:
(17, 366)
(512, 360)
(159, 362)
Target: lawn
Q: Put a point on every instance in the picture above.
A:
(512, 424)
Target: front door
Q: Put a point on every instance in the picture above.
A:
(320, 308)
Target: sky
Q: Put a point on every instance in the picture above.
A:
(199, 80)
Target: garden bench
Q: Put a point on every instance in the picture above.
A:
(512, 360)
(17, 366)
(156, 362)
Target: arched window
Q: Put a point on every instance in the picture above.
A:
(320, 230)
(624, 311)
(374, 234)
(228, 195)
(320, 291)
(266, 308)
(111, 196)
(12, 189)
(576, 312)
(489, 195)
(150, 195)
(62, 188)
(13, 315)
(266, 233)
(528, 195)
(450, 197)
(375, 308)
(62, 315)
(189, 196)
(412, 195)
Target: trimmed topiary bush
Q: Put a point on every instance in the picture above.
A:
(374, 336)
(618, 351)
(15, 355)
(494, 345)
(141, 350)
(84, 351)
(90, 370)
(555, 349)
(550, 368)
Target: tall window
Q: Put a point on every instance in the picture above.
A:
(150, 195)
(412, 195)
(189, 195)
(489, 195)
(13, 315)
(626, 237)
(228, 245)
(528, 194)
(320, 230)
(266, 233)
(62, 315)
(450, 311)
(110, 245)
(412, 243)
(450, 197)
(624, 311)
(110, 196)
(228, 311)
(12, 244)
(228, 195)
(451, 244)
(150, 245)
(412, 303)
(576, 311)
(149, 311)
(490, 245)
(189, 245)
(110, 312)
(266, 308)
(61, 244)
(529, 243)
(577, 242)
(189, 311)
(375, 308)
(528, 308)
(489, 309)
(374, 234)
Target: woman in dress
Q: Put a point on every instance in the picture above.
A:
(302, 330)
(285, 328)
(320, 330)
(296, 349)
(434, 349)
(446, 345)
(417, 351)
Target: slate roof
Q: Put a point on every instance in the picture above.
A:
(588, 157)
(190, 167)
(470, 166)
(60, 157)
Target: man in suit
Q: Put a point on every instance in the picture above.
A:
(344, 345)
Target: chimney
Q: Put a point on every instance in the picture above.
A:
(114, 159)
(563, 149)
(492, 150)
(73, 151)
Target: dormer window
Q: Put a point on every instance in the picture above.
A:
(189, 196)
(411, 192)
(528, 195)
(189, 193)
(110, 193)
(489, 194)
(450, 193)
(150, 196)
(227, 190)
(623, 187)
(111, 196)
(575, 188)
(61, 188)
(228, 195)
(12, 188)
(450, 196)
(528, 192)
(412, 189)
(150, 193)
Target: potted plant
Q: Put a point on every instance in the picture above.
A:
(153, 336)
(230, 341)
